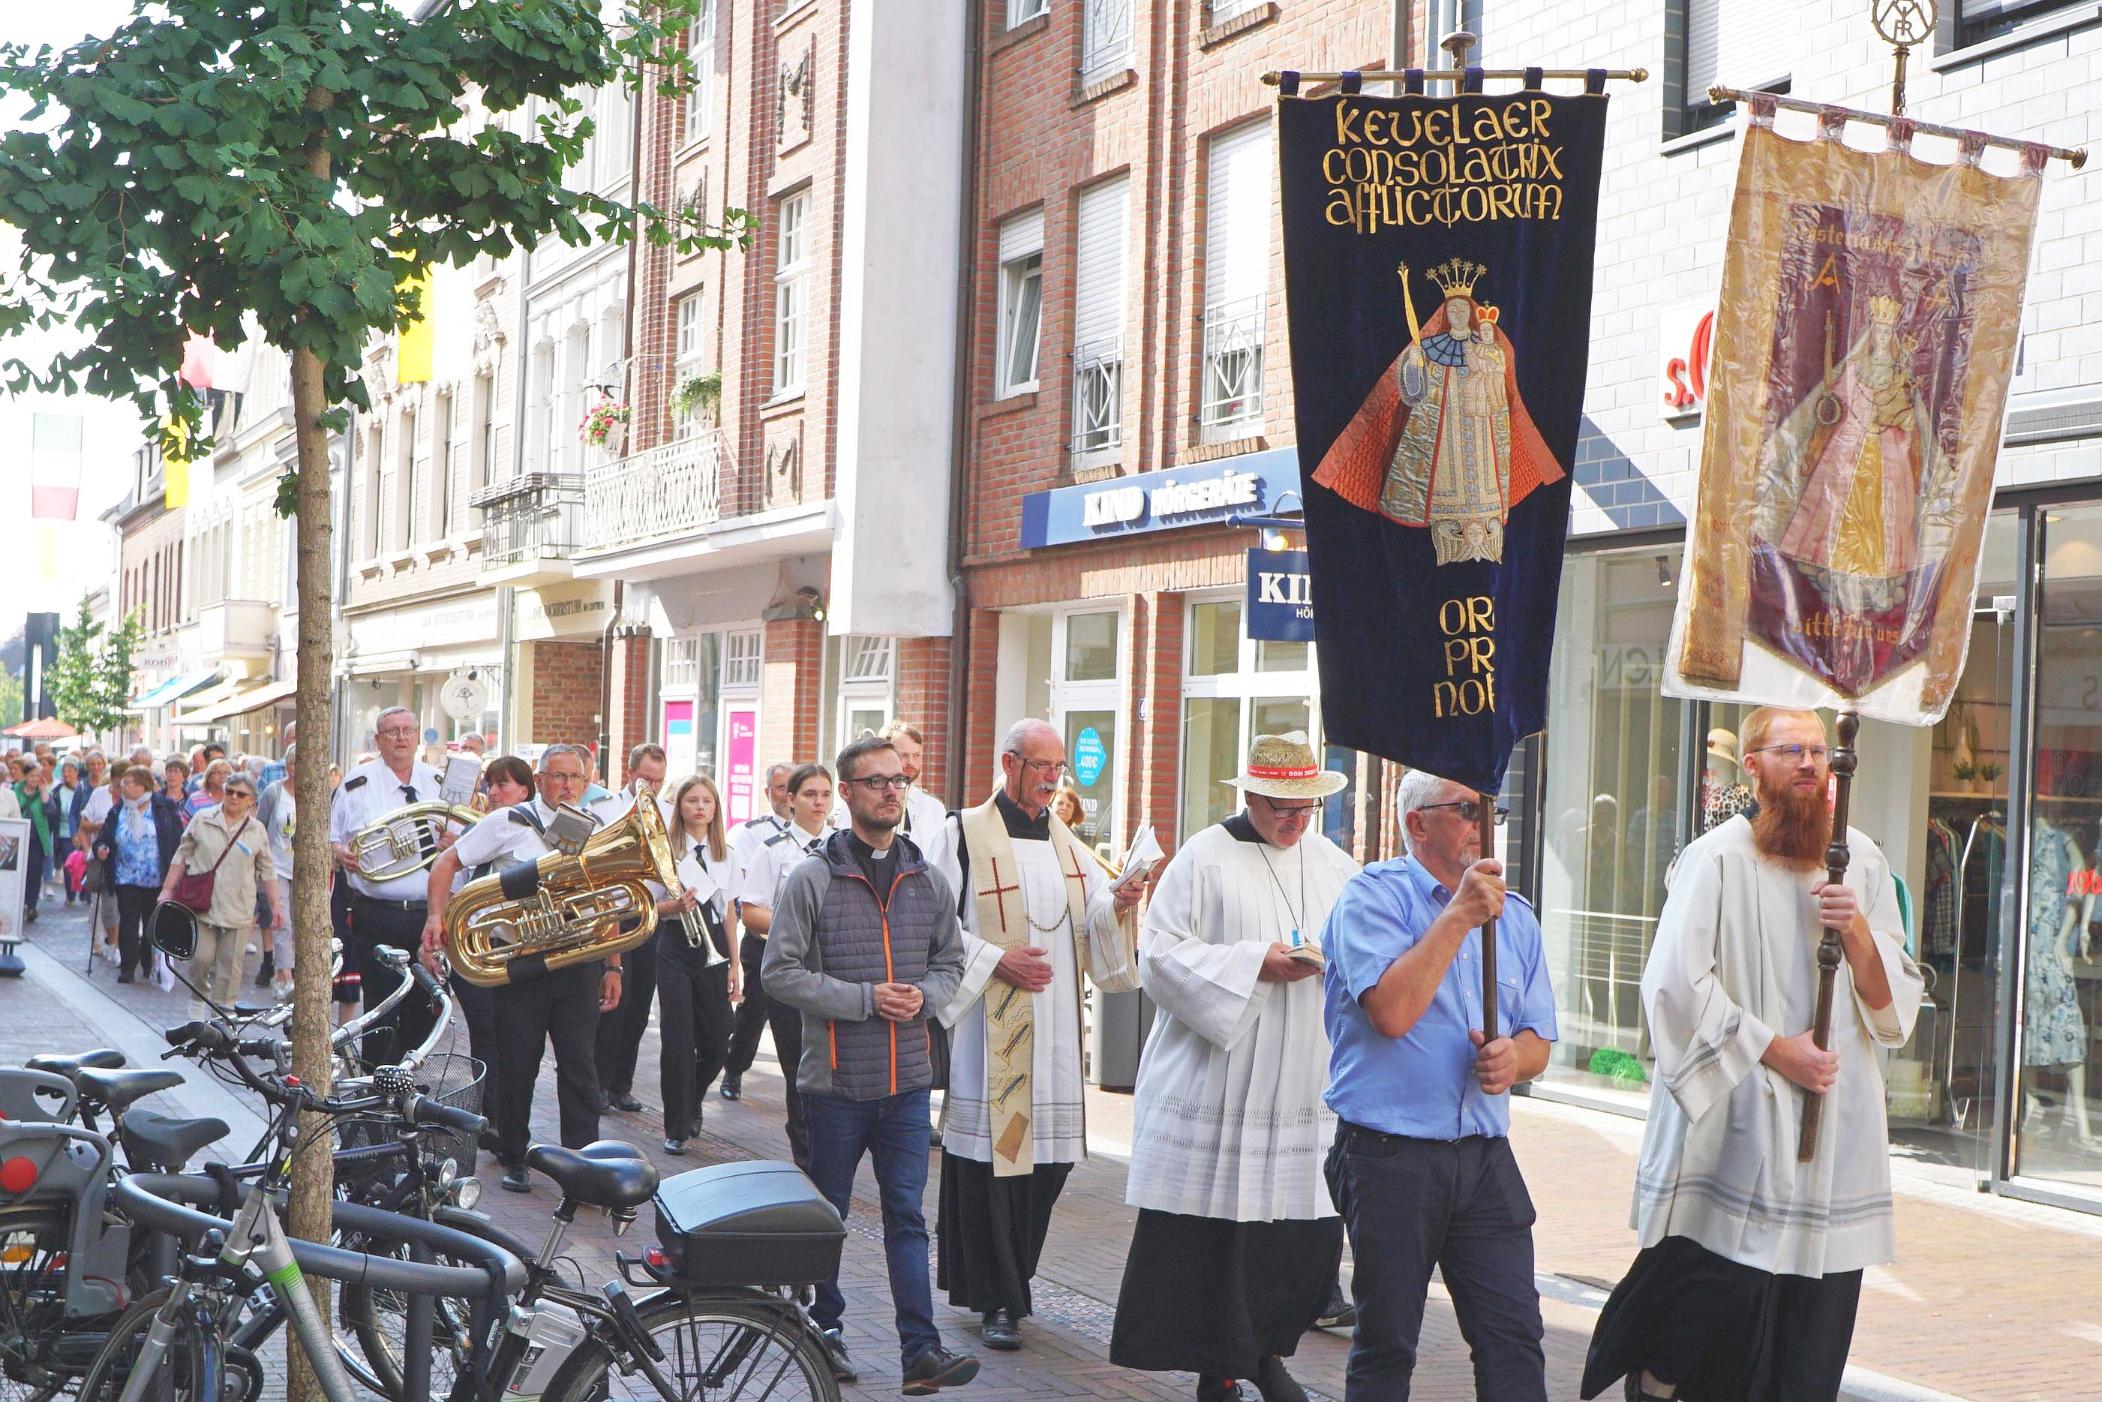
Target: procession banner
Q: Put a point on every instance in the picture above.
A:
(1438, 279)
(1863, 344)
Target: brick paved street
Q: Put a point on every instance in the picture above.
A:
(1976, 1271)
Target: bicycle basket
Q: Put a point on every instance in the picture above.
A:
(450, 1078)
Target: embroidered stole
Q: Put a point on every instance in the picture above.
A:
(1010, 1020)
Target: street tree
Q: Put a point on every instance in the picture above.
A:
(294, 166)
(91, 680)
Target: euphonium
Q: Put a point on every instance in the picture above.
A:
(562, 909)
(405, 841)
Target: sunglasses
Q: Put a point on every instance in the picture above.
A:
(1470, 810)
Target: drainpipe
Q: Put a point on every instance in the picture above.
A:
(960, 429)
(506, 597)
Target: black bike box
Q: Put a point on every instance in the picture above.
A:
(760, 1223)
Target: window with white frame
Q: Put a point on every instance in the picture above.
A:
(791, 289)
(687, 364)
(864, 668)
(682, 660)
(484, 431)
(742, 653)
(1021, 302)
(700, 91)
(1236, 282)
(1735, 44)
(442, 466)
(1105, 38)
(376, 475)
(1220, 11)
(405, 484)
(1098, 318)
(1020, 12)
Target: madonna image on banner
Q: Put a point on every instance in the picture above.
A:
(1864, 341)
(1438, 258)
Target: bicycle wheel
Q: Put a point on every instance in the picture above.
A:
(33, 1246)
(722, 1348)
(189, 1373)
(379, 1321)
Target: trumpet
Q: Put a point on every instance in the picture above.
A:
(405, 841)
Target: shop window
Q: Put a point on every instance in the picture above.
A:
(1215, 638)
(1229, 698)
(741, 660)
(1091, 647)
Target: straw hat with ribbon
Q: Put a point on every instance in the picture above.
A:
(1283, 766)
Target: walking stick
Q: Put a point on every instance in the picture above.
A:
(1486, 806)
(1829, 952)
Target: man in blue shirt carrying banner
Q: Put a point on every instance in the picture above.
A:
(1421, 1167)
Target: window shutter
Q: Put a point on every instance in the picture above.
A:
(1237, 216)
(1734, 42)
(1098, 284)
(1022, 234)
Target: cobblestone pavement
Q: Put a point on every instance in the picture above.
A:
(1976, 1272)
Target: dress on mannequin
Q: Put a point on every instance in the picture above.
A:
(1723, 794)
(2055, 1032)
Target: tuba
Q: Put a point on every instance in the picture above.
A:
(563, 909)
(405, 841)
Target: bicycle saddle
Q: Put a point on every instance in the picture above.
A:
(603, 1174)
(101, 1059)
(162, 1143)
(117, 1089)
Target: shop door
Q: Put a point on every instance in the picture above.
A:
(1084, 708)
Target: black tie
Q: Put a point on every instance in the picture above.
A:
(810, 848)
(408, 791)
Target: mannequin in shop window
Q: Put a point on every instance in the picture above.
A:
(2054, 1036)
(1724, 794)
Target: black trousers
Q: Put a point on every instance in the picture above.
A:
(33, 874)
(476, 1006)
(620, 1031)
(696, 1034)
(350, 980)
(751, 1013)
(1457, 1205)
(561, 1007)
(759, 1011)
(134, 919)
(373, 923)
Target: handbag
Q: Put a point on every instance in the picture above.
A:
(194, 891)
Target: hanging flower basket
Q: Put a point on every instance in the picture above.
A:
(601, 426)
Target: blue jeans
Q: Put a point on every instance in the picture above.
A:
(892, 1130)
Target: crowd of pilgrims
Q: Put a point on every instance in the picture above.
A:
(1317, 1064)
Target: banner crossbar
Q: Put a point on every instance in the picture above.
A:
(1454, 75)
(2075, 156)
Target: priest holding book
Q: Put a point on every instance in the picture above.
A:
(1237, 1243)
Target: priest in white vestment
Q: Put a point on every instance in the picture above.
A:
(1237, 1242)
(1749, 1276)
(1038, 913)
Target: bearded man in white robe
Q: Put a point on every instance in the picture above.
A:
(1237, 1242)
(1037, 913)
(1749, 1276)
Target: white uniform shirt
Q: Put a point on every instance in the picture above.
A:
(504, 838)
(99, 803)
(370, 792)
(747, 838)
(770, 865)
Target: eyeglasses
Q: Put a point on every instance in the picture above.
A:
(1470, 810)
(239, 793)
(1794, 753)
(881, 783)
(1294, 810)
(1050, 768)
(397, 732)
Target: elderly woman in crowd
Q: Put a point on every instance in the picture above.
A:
(135, 844)
(226, 840)
(176, 785)
(212, 790)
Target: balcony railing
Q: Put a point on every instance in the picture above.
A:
(1233, 368)
(532, 517)
(662, 493)
(1098, 395)
(1105, 38)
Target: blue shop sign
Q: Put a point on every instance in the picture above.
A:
(1203, 495)
(1089, 755)
(1280, 602)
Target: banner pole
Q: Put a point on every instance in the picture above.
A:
(1485, 805)
(1829, 952)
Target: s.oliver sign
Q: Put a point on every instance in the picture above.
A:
(1280, 606)
(1205, 494)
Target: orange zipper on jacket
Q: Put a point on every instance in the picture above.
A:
(889, 972)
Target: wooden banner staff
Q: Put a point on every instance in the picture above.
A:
(1829, 951)
(1486, 817)
(1457, 44)
(2076, 156)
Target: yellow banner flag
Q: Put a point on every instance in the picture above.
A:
(419, 339)
(175, 467)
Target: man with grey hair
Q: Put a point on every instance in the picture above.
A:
(562, 1006)
(1040, 914)
(747, 839)
(389, 912)
(1421, 1167)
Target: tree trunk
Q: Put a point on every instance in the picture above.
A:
(313, 1174)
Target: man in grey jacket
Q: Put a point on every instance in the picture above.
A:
(865, 945)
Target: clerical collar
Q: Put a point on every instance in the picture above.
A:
(866, 852)
(1020, 824)
(1241, 829)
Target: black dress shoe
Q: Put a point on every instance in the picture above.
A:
(675, 1147)
(516, 1179)
(1212, 1388)
(936, 1369)
(1275, 1384)
(1338, 1313)
(999, 1331)
(731, 1087)
(1635, 1392)
(622, 1100)
(836, 1354)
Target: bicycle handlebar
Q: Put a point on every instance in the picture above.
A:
(145, 1199)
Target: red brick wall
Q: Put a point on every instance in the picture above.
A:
(788, 692)
(632, 663)
(923, 699)
(565, 702)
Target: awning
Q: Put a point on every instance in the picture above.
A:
(174, 689)
(239, 704)
(206, 702)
